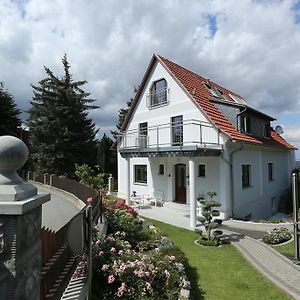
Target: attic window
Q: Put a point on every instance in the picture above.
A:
(237, 99)
(267, 130)
(212, 91)
(158, 93)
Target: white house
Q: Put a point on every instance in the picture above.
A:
(186, 135)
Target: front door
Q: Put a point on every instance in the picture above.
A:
(180, 183)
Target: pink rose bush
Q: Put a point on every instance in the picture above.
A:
(133, 261)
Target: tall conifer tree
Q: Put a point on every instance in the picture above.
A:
(61, 133)
(10, 123)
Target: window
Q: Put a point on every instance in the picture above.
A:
(245, 124)
(267, 130)
(140, 173)
(158, 93)
(237, 99)
(270, 171)
(246, 175)
(212, 91)
(143, 135)
(201, 170)
(177, 131)
(161, 170)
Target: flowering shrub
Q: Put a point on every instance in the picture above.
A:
(277, 236)
(141, 276)
(134, 261)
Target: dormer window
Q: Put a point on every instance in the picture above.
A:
(158, 93)
(267, 130)
(245, 124)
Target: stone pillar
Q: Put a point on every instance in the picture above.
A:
(45, 178)
(192, 192)
(127, 179)
(110, 184)
(51, 179)
(20, 225)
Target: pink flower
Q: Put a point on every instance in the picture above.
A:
(121, 252)
(101, 253)
(97, 242)
(104, 268)
(121, 289)
(148, 286)
(110, 279)
(113, 249)
(172, 258)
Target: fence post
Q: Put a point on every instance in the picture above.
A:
(110, 184)
(51, 179)
(45, 178)
(20, 219)
(28, 175)
(34, 176)
(295, 211)
(90, 248)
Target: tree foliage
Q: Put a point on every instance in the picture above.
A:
(87, 176)
(10, 123)
(208, 213)
(61, 133)
(107, 158)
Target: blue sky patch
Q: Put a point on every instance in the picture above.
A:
(212, 19)
(296, 9)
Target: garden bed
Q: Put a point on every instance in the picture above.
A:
(134, 260)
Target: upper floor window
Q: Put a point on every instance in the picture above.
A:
(267, 130)
(158, 93)
(161, 169)
(143, 135)
(245, 124)
(177, 130)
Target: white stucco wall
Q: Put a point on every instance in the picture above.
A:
(261, 199)
(179, 104)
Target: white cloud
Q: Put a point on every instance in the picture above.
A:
(255, 50)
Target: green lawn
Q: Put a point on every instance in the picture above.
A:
(286, 250)
(220, 273)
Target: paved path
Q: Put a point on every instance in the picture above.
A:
(244, 235)
(60, 209)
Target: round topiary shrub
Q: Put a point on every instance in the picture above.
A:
(277, 236)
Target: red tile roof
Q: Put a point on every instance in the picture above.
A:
(193, 84)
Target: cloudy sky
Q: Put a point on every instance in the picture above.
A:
(251, 47)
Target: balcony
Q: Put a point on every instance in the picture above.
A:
(158, 98)
(178, 136)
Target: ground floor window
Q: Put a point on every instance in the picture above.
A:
(140, 173)
(246, 175)
(201, 170)
(161, 170)
(270, 172)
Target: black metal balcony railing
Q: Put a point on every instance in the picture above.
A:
(186, 133)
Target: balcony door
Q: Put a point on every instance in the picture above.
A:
(143, 135)
(177, 131)
(180, 183)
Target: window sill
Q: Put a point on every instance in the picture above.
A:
(158, 105)
(247, 187)
(140, 183)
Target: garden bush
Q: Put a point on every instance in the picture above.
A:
(277, 236)
(134, 261)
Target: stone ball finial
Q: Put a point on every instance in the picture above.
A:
(13, 153)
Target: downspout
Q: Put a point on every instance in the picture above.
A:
(230, 163)
(231, 178)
